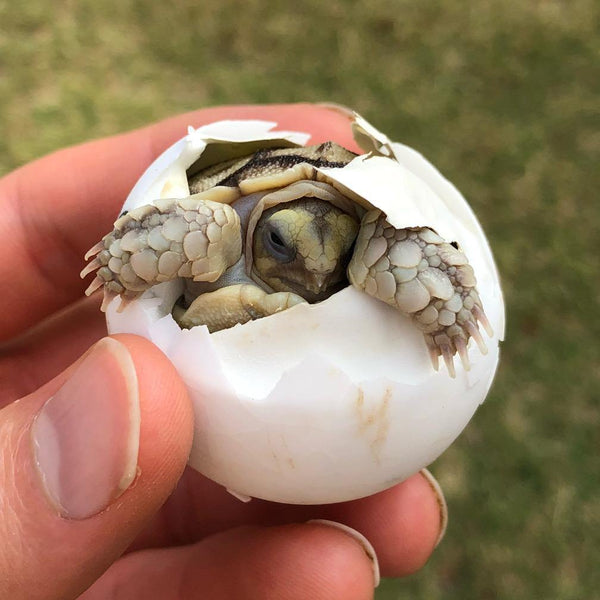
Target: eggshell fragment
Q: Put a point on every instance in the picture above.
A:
(332, 401)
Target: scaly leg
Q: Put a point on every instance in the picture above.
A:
(233, 304)
(423, 276)
(189, 237)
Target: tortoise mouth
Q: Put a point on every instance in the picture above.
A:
(312, 296)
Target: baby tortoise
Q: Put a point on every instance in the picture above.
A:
(262, 233)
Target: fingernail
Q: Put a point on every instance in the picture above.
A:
(86, 436)
(361, 539)
(437, 490)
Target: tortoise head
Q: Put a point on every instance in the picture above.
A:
(304, 247)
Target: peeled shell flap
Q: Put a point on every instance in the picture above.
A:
(167, 175)
(413, 193)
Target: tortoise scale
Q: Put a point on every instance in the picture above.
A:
(262, 233)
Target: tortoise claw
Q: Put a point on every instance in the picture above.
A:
(125, 301)
(109, 296)
(461, 348)
(97, 283)
(94, 250)
(474, 332)
(482, 318)
(434, 353)
(91, 266)
(448, 355)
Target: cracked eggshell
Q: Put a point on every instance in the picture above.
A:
(333, 401)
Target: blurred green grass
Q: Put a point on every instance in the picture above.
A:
(503, 97)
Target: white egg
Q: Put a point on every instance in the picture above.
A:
(331, 401)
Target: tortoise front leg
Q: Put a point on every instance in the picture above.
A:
(423, 276)
(190, 237)
(231, 305)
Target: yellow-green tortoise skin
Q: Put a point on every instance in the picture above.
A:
(262, 233)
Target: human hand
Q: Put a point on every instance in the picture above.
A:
(93, 485)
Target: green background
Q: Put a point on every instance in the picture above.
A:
(503, 98)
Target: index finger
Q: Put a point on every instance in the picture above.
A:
(54, 209)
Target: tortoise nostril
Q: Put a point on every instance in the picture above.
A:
(319, 280)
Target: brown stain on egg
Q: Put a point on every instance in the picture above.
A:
(168, 189)
(374, 424)
(282, 455)
(288, 459)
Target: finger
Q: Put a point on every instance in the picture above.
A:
(404, 523)
(32, 359)
(292, 562)
(55, 209)
(85, 462)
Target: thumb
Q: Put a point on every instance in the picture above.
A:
(69, 455)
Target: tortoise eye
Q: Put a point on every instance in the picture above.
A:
(277, 248)
(275, 240)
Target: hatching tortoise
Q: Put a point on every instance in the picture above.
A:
(261, 233)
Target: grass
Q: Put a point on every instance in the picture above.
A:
(503, 97)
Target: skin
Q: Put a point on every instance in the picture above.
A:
(174, 532)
